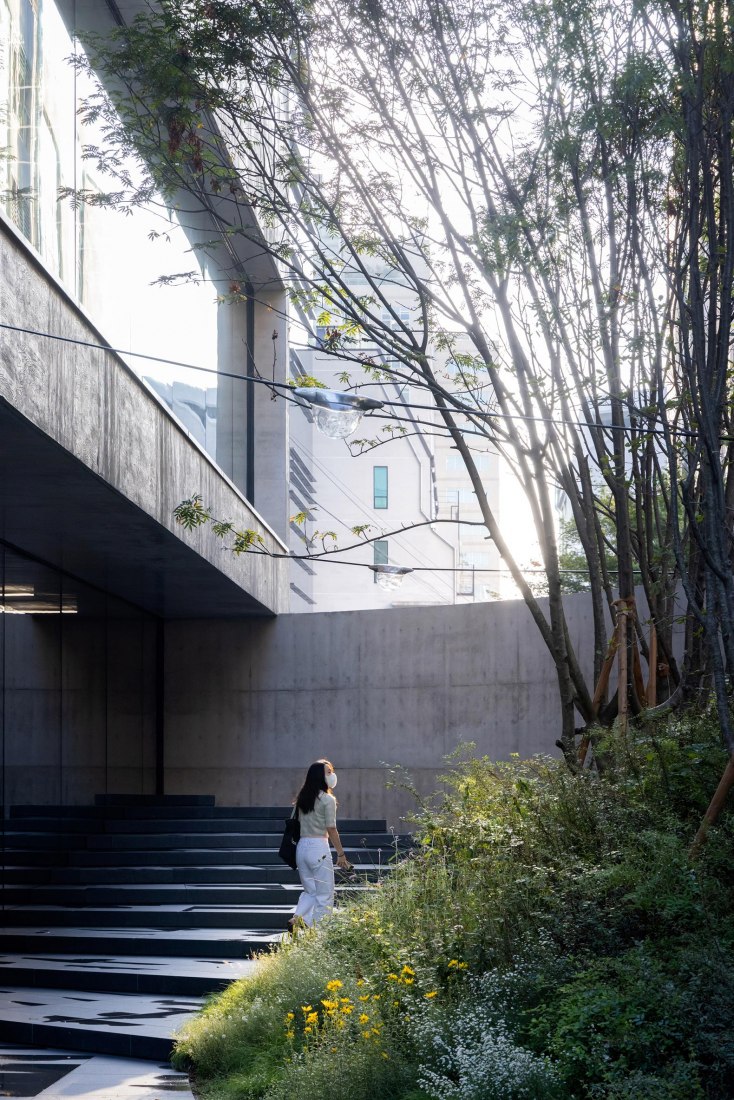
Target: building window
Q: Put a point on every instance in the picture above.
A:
(379, 486)
(380, 552)
(455, 463)
(478, 559)
(459, 496)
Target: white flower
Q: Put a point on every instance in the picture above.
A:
(472, 1056)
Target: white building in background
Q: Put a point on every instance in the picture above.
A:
(410, 479)
(387, 487)
(476, 555)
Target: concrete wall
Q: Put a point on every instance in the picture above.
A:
(78, 707)
(250, 705)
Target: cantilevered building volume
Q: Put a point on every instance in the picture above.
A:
(94, 460)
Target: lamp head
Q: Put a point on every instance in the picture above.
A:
(337, 414)
(390, 577)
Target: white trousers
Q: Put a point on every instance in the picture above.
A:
(313, 858)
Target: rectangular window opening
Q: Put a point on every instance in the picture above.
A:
(380, 552)
(379, 486)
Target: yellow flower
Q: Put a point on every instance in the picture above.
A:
(333, 985)
(392, 978)
(307, 1030)
(340, 1023)
(453, 962)
(330, 1004)
(408, 970)
(346, 1009)
(385, 1055)
(365, 1035)
(289, 1016)
(290, 1034)
(408, 981)
(375, 1031)
(396, 1004)
(305, 1009)
(360, 981)
(364, 1018)
(365, 997)
(345, 1000)
(376, 996)
(463, 966)
(312, 1018)
(433, 993)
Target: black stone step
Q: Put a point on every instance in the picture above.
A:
(133, 1026)
(88, 1039)
(125, 973)
(199, 943)
(181, 917)
(39, 859)
(124, 826)
(154, 800)
(72, 897)
(17, 840)
(84, 896)
(185, 857)
(150, 813)
(119, 876)
(179, 886)
(125, 877)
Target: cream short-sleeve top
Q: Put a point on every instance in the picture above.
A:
(321, 818)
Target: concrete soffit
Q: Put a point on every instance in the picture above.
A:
(93, 464)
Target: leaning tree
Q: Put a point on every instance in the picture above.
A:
(551, 182)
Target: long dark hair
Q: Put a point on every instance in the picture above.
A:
(313, 785)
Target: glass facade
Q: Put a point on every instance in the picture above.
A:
(77, 688)
(107, 261)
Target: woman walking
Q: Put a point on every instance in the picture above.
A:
(316, 811)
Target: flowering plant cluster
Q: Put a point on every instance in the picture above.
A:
(470, 1054)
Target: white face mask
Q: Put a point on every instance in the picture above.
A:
(331, 780)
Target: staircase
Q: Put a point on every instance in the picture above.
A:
(119, 918)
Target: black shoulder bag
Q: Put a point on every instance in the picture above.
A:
(291, 836)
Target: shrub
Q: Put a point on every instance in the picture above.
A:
(547, 933)
(469, 1054)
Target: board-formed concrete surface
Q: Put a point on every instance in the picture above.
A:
(105, 465)
(253, 704)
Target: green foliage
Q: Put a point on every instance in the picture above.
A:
(307, 381)
(191, 513)
(547, 937)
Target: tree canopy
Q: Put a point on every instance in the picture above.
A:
(552, 181)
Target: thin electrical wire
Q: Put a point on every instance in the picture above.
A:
(329, 556)
(683, 433)
(287, 387)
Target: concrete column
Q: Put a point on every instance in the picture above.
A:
(232, 394)
(271, 419)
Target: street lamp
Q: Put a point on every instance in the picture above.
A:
(337, 414)
(390, 577)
